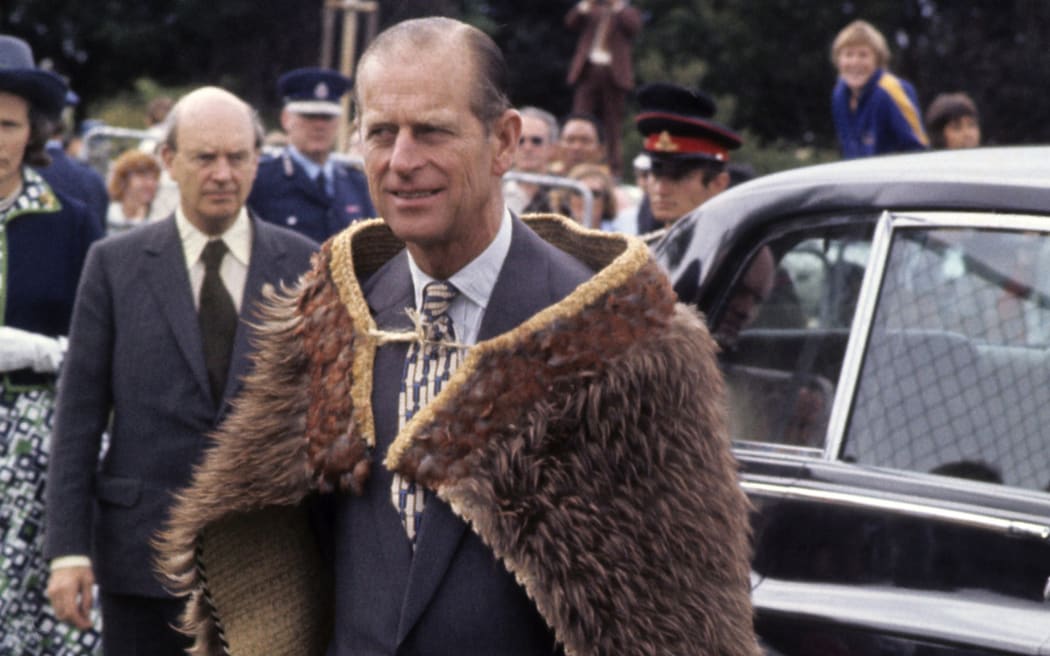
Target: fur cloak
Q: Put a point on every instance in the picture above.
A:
(587, 448)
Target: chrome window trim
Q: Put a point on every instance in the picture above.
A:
(1016, 627)
(759, 448)
(859, 332)
(912, 508)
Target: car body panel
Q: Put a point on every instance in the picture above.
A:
(854, 554)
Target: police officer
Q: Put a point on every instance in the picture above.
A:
(689, 152)
(74, 177)
(302, 188)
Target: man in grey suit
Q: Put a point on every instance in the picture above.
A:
(507, 435)
(159, 343)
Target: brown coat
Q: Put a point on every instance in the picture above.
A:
(587, 448)
(623, 27)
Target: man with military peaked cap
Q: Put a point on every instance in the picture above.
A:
(689, 151)
(303, 188)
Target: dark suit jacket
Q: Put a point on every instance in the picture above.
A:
(452, 596)
(284, 195)
(136, 359)
(623, 26)
(78, 180)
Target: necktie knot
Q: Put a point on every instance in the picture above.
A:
(437, 297)
(212, 255)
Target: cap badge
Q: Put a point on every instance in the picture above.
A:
(321, 91)
(665, 144)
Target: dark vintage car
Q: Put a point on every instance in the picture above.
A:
(885, 327)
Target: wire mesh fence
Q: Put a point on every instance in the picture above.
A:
(956, 376)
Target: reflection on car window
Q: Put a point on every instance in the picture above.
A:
(956, 375)
(783, 330)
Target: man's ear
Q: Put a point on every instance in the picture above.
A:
(506, 130)
(720, 182)
(167, 155)
(285, 120)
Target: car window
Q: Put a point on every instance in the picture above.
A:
(783, 329)
(956, 373)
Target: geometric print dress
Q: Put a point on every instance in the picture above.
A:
(27, 625)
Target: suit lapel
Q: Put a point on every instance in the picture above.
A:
(388, 292)
(170, 283)
(520, 292)
(522, 288)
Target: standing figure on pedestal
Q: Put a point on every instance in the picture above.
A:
(601, 69)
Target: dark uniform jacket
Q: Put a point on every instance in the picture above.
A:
(284, 195)
(78, 180)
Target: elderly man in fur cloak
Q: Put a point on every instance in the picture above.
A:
(532, 459)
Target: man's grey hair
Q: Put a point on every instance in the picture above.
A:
(548, 119)
(489, 94)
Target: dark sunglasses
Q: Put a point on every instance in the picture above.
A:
(535, 141)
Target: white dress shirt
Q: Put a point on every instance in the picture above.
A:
(234, 270)
(474, 282)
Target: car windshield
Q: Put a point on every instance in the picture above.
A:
(956, 373)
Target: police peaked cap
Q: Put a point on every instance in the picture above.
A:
(676, 123)
(313, 90)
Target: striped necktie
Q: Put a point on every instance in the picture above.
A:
(428, 366)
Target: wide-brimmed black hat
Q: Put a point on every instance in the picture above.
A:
(20, 76)
(676, 123)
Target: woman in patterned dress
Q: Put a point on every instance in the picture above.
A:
(44, 238)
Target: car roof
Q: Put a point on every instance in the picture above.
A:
(940, 179)
(1012, 179)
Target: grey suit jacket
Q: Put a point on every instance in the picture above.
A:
(136, 366)
(452, 596)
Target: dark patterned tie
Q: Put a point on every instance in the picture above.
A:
(322, 183)
(428, 367)
(218, 318)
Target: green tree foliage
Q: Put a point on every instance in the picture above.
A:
(765, 61)
(104, 46)
(768, 61)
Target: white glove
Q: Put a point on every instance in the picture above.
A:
(20, 349)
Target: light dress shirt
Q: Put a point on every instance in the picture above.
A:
(233, 270)
(474, 282)
(312, 168)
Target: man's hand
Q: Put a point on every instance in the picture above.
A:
(69, 590)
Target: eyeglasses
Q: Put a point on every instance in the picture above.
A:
(535, 141)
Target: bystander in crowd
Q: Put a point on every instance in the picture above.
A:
(953, 122)
(875, 112)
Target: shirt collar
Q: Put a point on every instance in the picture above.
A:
(476, 280)
(238, 237)
(311, 167)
